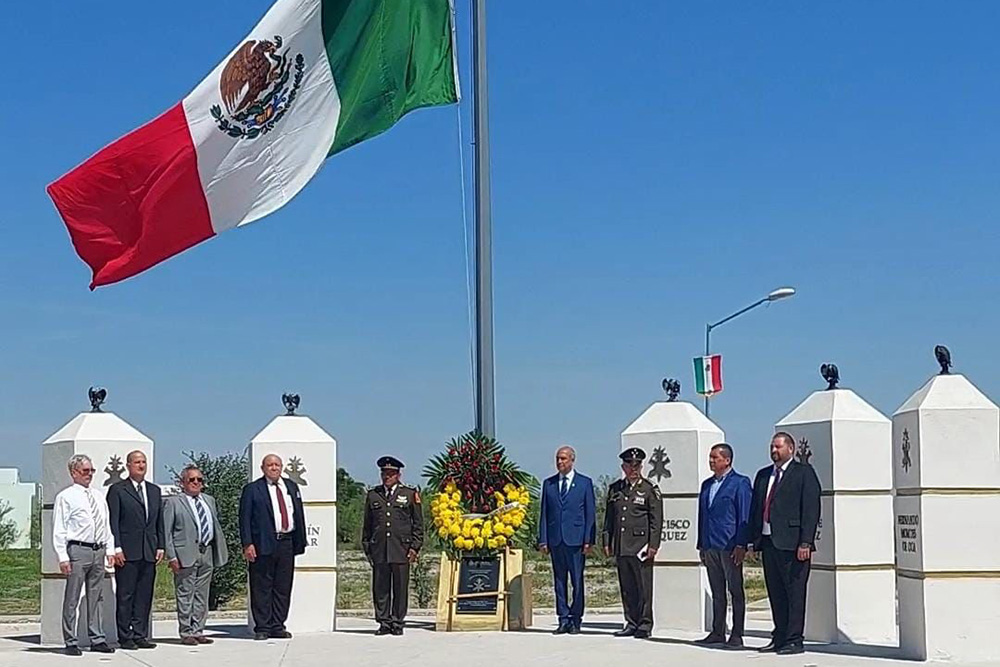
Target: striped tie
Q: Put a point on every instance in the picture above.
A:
(95, 513)
(202, 520)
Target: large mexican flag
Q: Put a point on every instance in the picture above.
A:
(312, 78)
(708, 374)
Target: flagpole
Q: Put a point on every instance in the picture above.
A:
(485, 405)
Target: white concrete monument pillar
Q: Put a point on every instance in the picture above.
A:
(677, 438)
(310, 457)
(852, 585)
(107, 439)
(946, 464)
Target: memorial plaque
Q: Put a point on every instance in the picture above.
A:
(477, 575)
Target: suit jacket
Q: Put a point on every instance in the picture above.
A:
(724, 523)
(393, 524)
(180, 527)
(137, 535)
(570, 520)
(633, 517)
(795, 507)
(257, 518)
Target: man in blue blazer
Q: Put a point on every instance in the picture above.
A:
(723, 516)
(566, 531)
(273, 533)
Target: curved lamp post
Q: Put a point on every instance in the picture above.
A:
(775, 295)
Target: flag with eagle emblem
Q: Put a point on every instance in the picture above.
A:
(708, 374)
(313, 78)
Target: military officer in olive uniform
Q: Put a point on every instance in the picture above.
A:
(632, 523)
(391, 538)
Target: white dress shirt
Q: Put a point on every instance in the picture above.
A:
(569, 481)
(272, 490)
(73, 519)
(193, 502)
(766, 530)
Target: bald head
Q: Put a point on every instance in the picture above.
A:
(271, 467)
(565, 459)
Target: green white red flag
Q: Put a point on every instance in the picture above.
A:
(708, 374)
(313, 78)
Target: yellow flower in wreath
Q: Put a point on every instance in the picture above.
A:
(501, 541)
(478, 542)
(454, 530)
(442, 532)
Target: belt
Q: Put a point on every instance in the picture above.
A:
(90, 545)
(283, 536)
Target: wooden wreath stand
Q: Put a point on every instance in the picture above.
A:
(513, 608)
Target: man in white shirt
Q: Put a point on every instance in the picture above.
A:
(82, 539)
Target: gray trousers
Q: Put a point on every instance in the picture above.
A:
(191, 591)
(87, 573)
(723, 573)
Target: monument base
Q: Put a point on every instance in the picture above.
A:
(681, 598)
(512, 611)
(949, 619)
(852, 607)
(53, 588)
(314, 605)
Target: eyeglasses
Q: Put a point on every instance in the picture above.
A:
(199, 480)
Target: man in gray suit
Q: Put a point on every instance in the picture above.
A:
(195, 546)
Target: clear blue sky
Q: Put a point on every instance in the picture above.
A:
(656, 165)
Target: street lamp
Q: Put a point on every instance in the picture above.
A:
(775, 295)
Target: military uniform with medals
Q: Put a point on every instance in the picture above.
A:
(633, 521)
(392, 535)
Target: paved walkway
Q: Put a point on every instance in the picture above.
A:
(355, 646)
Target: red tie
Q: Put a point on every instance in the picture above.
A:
(767, 502)
(284, 511)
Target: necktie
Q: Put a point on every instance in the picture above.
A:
(767, 502)
(282, 508)
(140, 487)
(202, 520)
(95, 513)
(563, 487)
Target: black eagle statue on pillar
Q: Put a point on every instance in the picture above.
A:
(672, 387)
(944, 358)
(291, 402)
(97, 396)
(831, 374)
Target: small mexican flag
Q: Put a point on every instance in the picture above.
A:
(313, 78)
(708, 374)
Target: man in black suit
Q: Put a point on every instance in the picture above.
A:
(137, 525)
(784, 516)
(273, 533)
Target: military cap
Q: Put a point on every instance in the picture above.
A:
(389, 462)
(632, 455)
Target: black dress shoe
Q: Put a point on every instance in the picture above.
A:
(73, 650)
(398, 631)
(143, 643)
(710, 640)
(574, 630)
(561, 630)
(258, 636)
(127, 645)
(627, 631)
(101, 648)
(641, 634)
(735, 642)
(280, 634)
(383, 630)
(791, 649)
(771, 647)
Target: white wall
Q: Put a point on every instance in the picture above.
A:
(18, 495)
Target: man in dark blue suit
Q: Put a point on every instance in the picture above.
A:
(273, 533)
(567, 530)
(723, 516)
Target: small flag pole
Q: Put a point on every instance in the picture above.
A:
(708, 335)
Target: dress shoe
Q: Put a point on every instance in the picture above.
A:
(202, 639)
(710, 640)
(144, 643)
(735, 642)
(73, 650)
(127, 645)
(383, 630)
(574, 630)
(280, 634)
(192, 641)
(101, 648)
(627, 631)
(771, 647)
(258, 636)
(398, 631)
(561, 630)
(641, 634)
(791, 649)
